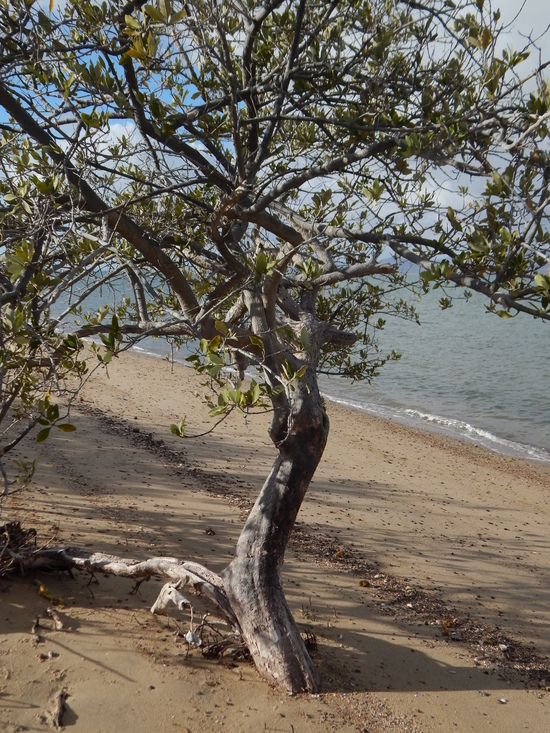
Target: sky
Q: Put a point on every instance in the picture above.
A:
(533, 18)
(530, 18)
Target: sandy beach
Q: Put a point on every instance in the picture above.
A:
(420, 564)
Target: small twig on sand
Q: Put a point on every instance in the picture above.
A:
(60, 709)
(137, 585)
(36, 623)
(55, 616)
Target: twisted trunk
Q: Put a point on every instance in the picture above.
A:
(248, 594)
(252, 581)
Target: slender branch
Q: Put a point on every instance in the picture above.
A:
(122, 224)
(268, 134)
(335, 165)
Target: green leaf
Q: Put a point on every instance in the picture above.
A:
(479, 247)
(176, 17)
(214, 343)
(44, 21)
(165, 7)
(91, 120)
(214, 358)
(486, 38)
(254, 391)
(256, 341)
(154, 13)
(132, 22)
(221, 327)
(135, 53)
(451, 216)
(66, 427)
(52, 412)
(44, 187)
(287, 370)
(42, 435)
(260, 266)
(178, 428)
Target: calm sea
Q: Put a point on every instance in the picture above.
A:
(467, 373)
(463, 372)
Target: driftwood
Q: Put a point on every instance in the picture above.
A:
(170, 594)
(59, 709)
(203, 581)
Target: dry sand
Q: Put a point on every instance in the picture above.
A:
(420, 564)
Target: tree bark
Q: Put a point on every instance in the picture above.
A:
(202, 580)
(252, 581)
(249, 592)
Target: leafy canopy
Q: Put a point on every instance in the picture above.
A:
(257, 173)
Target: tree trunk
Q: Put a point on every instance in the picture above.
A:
(252, 580)
(248, 593)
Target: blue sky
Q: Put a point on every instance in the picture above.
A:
(530, 18)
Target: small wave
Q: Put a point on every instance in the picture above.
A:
(449, 426)
(414, 418)
(147, 352)
(479, 435)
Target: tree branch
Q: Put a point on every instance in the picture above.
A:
(202, 580)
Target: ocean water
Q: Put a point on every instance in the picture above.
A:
(463, 372)
(467, 373)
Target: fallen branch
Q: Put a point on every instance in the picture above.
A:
(202, 580)
(59, 710)
(169, 593)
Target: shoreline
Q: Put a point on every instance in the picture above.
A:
(446, 496)
(453, 428)
(448, 520)
(446, 427)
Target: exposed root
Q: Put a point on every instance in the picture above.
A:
(213, 643)
(14, 540)
(202, 580)
(169, 593)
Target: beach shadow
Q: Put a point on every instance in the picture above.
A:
(158, 507)
(349, 661)
(375, 665)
